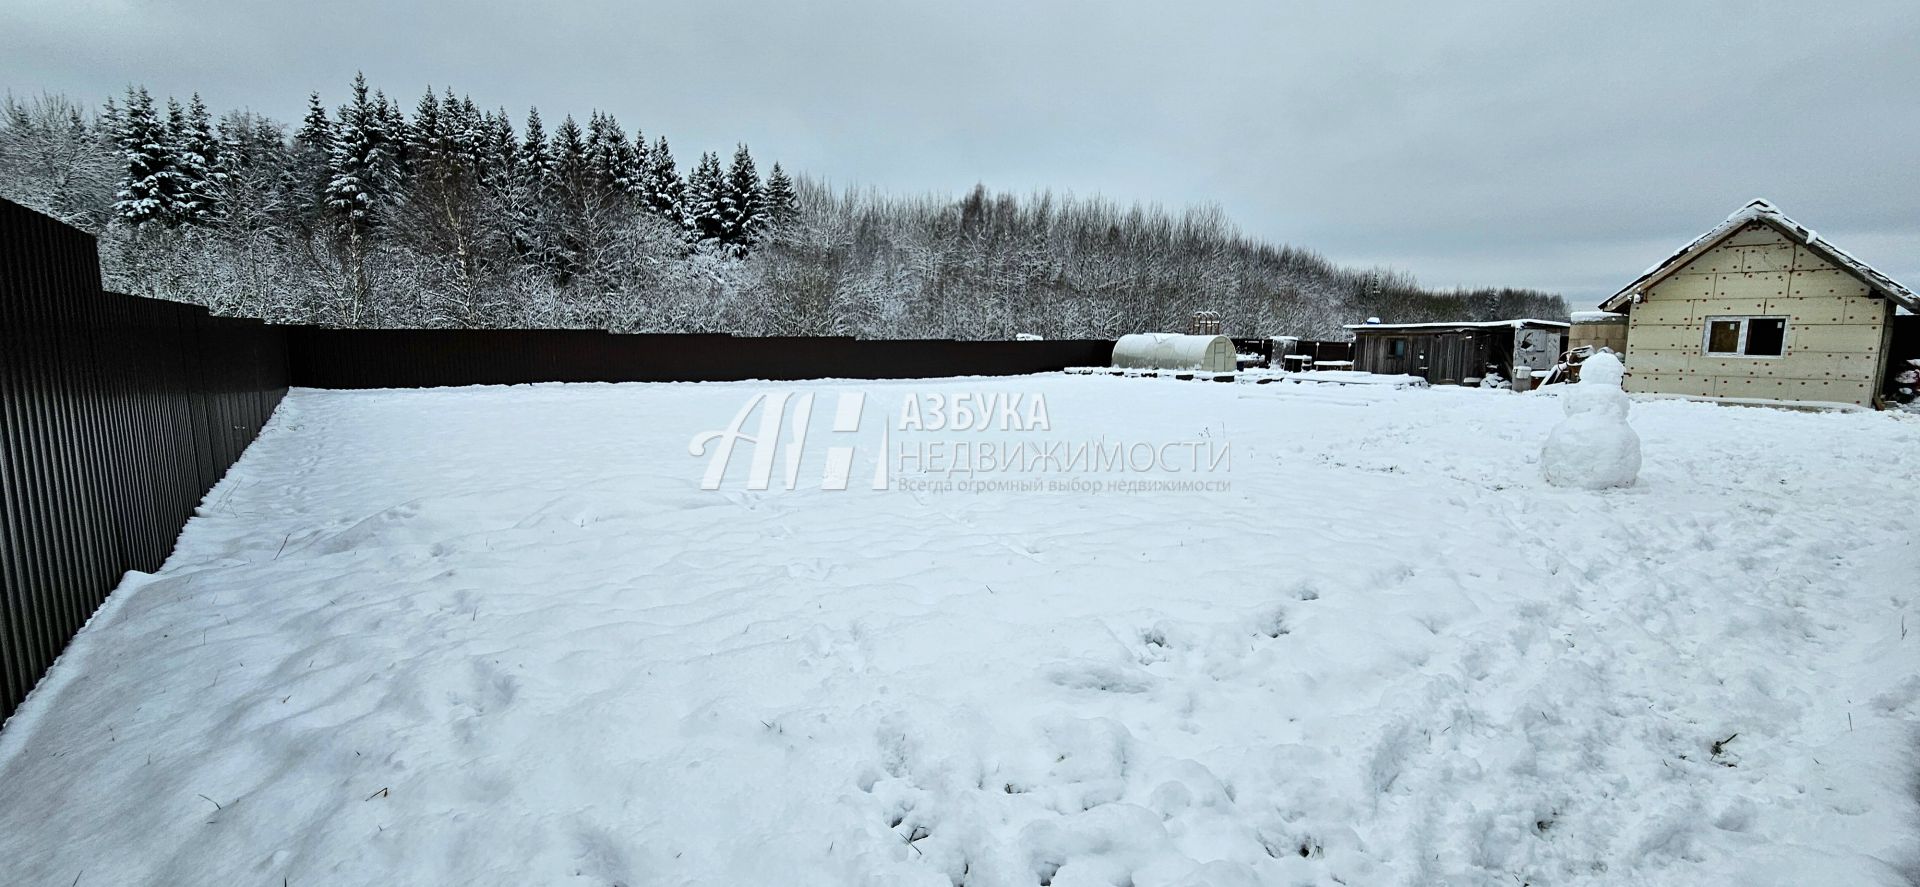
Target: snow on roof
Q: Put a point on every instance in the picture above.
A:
(1458, 325)
(1759, 210)
(1596, 316)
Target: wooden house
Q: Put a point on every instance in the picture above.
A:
(1763, 308)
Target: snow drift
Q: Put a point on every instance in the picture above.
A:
(500, 636)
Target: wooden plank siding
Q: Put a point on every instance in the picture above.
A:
(1442, 357)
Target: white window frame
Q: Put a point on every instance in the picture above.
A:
(1706, 336)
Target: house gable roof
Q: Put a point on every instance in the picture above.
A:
(1762, 212)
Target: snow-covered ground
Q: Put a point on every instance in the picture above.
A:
(502, 636)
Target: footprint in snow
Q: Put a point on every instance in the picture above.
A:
(1101, 676)
(811, 569)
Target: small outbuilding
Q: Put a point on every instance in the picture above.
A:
(1462, 353)
(1598, 330)
(1171, 351)
(1762, 307)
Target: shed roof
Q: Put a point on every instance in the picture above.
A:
(1518, 323)
(1596, 316)
(1762, 212)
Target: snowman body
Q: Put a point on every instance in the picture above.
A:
(1594, 448)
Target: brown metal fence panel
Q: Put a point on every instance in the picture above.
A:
(117, 414)
(331, 358)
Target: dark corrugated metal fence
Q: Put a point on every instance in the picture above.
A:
(330, 358)
(117, 414)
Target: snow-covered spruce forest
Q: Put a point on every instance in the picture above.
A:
(365, 215)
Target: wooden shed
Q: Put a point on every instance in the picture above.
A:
(1761, 308)
(1598, 330)
(1459, 353)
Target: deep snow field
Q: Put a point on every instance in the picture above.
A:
(501, 636)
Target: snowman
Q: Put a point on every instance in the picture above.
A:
(1594, 448)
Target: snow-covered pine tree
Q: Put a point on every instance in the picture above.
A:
(532, 183)
(569, 149)
(393, 132)
(665, 191)
(442, 162)
(309, 164)
(363, 173)
(108, 121)
(425, 139)
(498, 150)
(783, 202)
(235, 132)
(610, 157)
(742, 203)
(642, 163)
(176, 120)
(535, 159)
(316, 131)
(499, 167)
(466, 130)
(150, 190)
(270, 141)
(361, 188)
(569, 199)
(250, 143)
(189, 169)
(703, 208)
(200, 164)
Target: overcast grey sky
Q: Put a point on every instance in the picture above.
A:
(1553, 145)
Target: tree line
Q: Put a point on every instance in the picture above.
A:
(365, 215)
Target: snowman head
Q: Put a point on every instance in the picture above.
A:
(1602, 369)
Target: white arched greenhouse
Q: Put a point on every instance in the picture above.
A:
(1170, 351)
